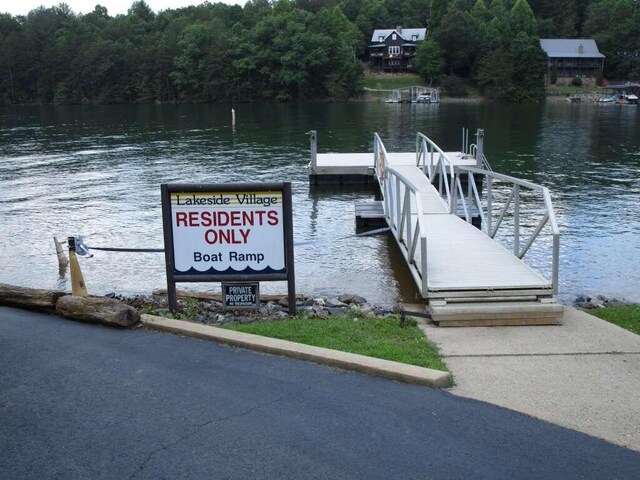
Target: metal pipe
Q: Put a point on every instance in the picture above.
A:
(555, 267)
(489, 205)
(516, 219)
(398, 208)
(478, 202)
(534, 235)
(502, 214)
(479, 147)
(407, 208)
(423, 261)
(313, 138)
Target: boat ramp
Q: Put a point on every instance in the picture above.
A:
(461, 229)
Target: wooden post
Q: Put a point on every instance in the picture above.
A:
(78, 287)
(62, 258)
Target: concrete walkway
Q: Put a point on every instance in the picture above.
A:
(583, 374)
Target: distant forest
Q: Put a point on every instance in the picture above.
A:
(295, 50)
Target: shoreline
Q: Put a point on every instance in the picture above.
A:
(364, 98)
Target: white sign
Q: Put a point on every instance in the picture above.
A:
(228, 232)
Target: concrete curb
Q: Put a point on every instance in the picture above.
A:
(348, 361)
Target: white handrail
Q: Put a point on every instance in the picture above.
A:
(443, 167)
(379, 157)
(514, 199)
(473, 151)
(403, 209)
(404, 214)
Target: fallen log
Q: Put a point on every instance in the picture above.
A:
(29, 298)
(106, 311)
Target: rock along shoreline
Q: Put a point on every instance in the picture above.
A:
(207, 308)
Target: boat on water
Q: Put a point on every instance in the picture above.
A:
(620, 93)
(620, 99)
(414, 94)
(425, 98)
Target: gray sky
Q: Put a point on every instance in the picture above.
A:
(114, 7)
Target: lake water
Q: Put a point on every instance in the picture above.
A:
(96, 171)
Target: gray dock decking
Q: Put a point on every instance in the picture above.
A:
(467, 277)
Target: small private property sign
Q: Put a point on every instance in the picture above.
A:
(241, 295)
(228, 233)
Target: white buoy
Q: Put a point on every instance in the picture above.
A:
(233, 118)
(63, 261)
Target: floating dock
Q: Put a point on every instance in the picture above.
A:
(430, 199)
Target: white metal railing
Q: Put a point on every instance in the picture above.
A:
(379, 158)
(403, 211)
(486, 211)
(473, 151)
(436, 165)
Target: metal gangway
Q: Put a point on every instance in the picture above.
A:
(470, 275)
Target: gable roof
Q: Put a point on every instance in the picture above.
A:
(570, 48)
(406, 34)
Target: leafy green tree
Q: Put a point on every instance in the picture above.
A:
(615, 25)
(554, 73)
(437, 11)
(458, 37)
(522, 20)
(495, 75)
(528, 60)
(429, 60)
(480, 11)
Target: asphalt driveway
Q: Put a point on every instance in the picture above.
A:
(83, 401)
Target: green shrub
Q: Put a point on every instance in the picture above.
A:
(576, 82)
(454, 87)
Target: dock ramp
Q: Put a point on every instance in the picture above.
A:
(466, 276)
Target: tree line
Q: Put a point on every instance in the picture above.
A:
(294, 50)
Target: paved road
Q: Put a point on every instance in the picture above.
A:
(583, 374)
(88, 402)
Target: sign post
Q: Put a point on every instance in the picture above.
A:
(236, 232)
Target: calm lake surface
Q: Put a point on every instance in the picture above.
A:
(96, 171)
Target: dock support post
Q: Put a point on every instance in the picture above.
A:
(62, 259)
(313, 136)
(479, 147)
(78, 287)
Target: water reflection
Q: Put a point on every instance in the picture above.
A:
(96, 171)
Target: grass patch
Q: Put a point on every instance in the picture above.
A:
(379, 337)
(389, 82)
(566, 90)
(627, 316)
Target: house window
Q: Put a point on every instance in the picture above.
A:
(394, 37)
(394, 50)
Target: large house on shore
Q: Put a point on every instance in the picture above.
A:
(392, 50)
(572, 57)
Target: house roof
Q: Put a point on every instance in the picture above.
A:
(570, 48)
(405, 34)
